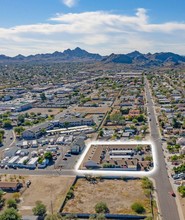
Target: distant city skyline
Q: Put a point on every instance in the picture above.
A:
(98, 26)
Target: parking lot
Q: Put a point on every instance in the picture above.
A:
(31, 154)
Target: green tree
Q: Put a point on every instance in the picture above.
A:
(135, 121)
(48, 155)
(179, 169)
(125, 111)
(10, 214)
(101, 133)
(2, 132)
(43, 97)
(117, 118)
(2, 200)
(101, 207)
(39, 209)
(11, 203)
(43, 130)
(1, 139)
(148, 158)
(175, 123)
(21, 118)
(144, 128)
(66, 124)
(140, 118)
(7, 123)
(27, 123)
(181, 190)
(18, 130)
(138, 208)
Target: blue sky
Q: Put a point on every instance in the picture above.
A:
(103, 26)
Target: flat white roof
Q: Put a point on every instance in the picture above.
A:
(60, 138)
(18, 152)
(13, 159)
(22, 160)
(69, 129)
(33, 160)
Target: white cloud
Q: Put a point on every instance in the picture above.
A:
(97, 31)
(69, 3)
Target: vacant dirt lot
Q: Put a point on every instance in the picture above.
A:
(182, 201)
(119, 195)
(48, 189)
(47, 111)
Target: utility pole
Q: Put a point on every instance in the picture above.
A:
(51, 199)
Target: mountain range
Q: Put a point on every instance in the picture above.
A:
(79, 55)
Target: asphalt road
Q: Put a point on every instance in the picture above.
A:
(9, 138)
(167, 203)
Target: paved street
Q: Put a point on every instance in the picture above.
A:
(167, 203)
(9, 138)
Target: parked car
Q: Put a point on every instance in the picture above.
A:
(28, 183)
(175, 163)
(175, 177)
(54, 157)
(173, 194)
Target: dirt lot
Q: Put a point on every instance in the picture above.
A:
(54, 111)
(91, 110)
(182, 201)
(119, 195)
(44, 188)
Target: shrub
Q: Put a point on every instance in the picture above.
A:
(101, 207)
(39, 209)
(70, 194)
(16, 196)
(12, 203)
(181, 190)
(138, 208)
(10, 214)
(146, 183)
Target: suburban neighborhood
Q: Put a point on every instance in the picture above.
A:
(46, 129)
